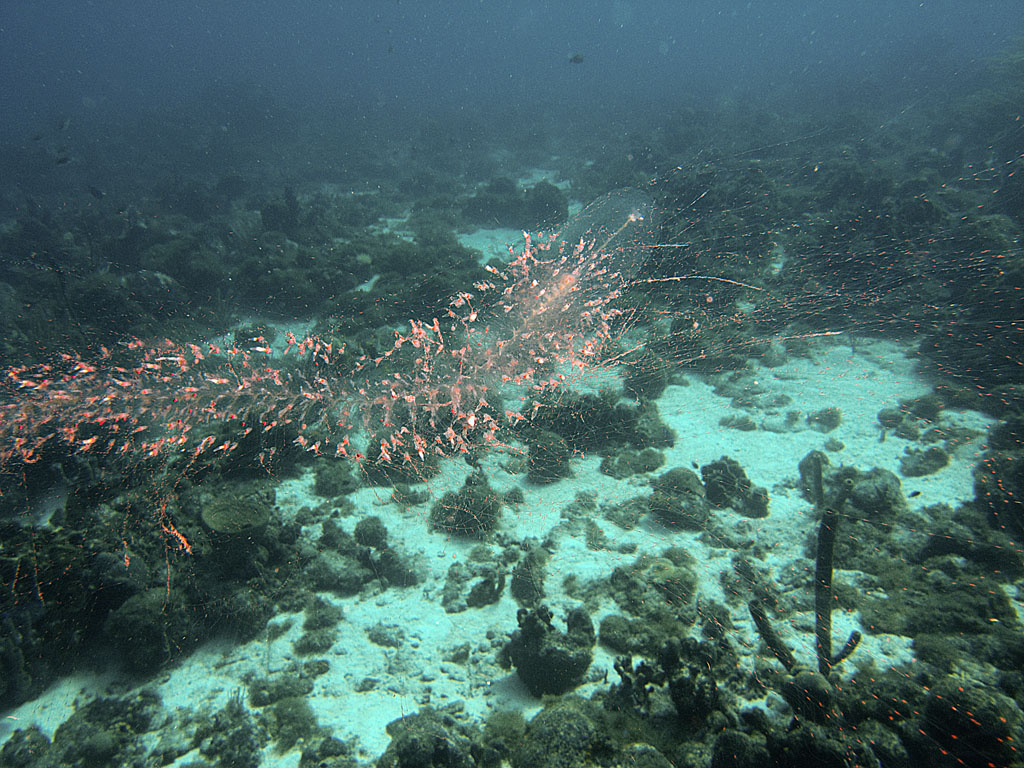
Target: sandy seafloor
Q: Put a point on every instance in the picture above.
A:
(860, 380)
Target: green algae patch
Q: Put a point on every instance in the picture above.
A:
(231, 515)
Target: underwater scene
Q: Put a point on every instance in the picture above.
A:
(473, 385)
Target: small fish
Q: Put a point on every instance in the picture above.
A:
(576, 58)
(914, 494)
(99, 194)
(63, 124)
(62, 159)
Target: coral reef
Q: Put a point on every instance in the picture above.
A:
(473, 511)
(547, 660)
(727, 485)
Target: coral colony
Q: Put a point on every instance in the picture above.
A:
(548, 311)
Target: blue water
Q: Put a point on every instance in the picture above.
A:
(405, 57)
